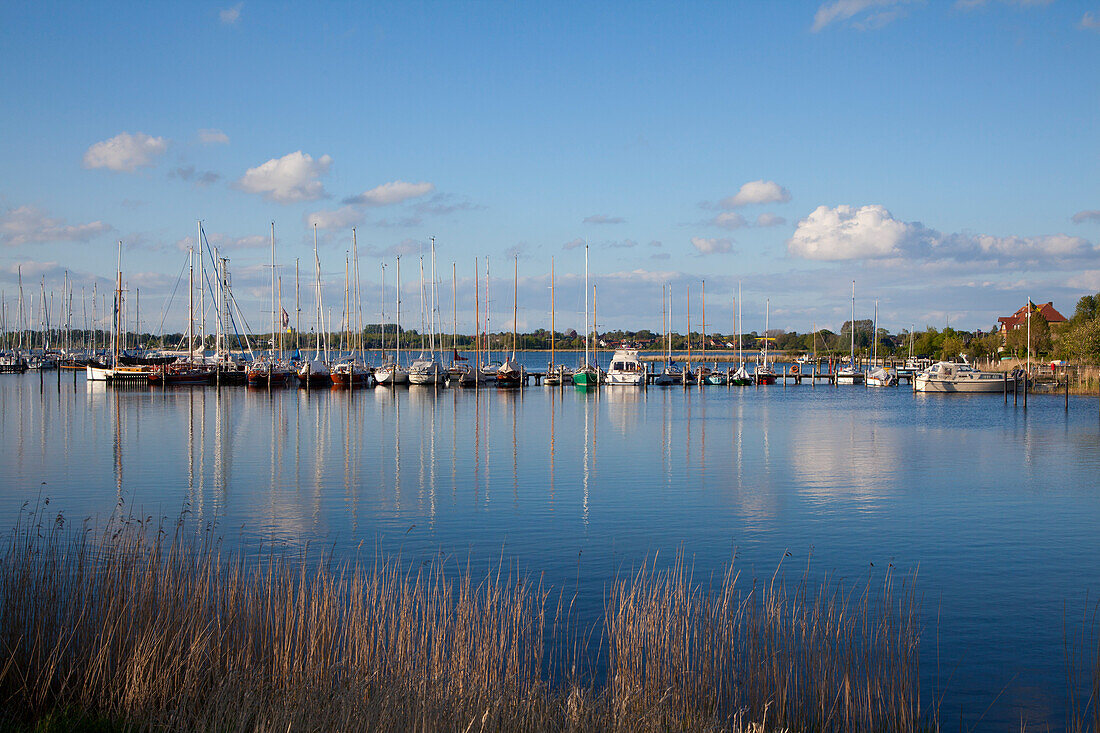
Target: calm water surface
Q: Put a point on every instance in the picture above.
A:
(995, 509)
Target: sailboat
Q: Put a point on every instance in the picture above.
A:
(851, 374)
(116, 372)
(471, 375)
(510, 373)
(425, 369)
(488, 371)
(391, 373)
(764, 373)
(586, 375)
(672, 373)
(459, 370)
(316, 372)
(741, 377)
(271, 371)
(706, 375)
(352, 371)
(880, 376)
(555, 373)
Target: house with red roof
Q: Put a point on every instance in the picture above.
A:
(1019, 318)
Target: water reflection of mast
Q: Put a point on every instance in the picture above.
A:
(118, 448)
(553, 435)
(515, 454)
(584, 510)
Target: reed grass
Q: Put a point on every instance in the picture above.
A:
(143, 626)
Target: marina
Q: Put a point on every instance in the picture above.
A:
(572, 484)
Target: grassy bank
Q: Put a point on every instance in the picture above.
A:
(143, 626)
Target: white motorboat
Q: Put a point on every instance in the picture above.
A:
(626, 369)
(946, 376)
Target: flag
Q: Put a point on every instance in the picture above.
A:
(286, 318)
(459, 358)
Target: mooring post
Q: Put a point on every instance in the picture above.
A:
(1016, 390)
(1027, 380)
(1067, 389)
(1004, 381)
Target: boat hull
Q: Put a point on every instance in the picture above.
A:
(974, 386)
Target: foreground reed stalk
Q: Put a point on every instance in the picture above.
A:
(139, 627)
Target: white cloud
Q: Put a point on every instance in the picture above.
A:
(1089, 22)
(125, 152)
(709, 246)
(1085, 280)
(229, 16)
(756, 192)
(847, 233)
(1082, 216)
(213, 137)
(393, 192)
(603, 219)
(879, 12)
(770, 220)
(971, 4)
(290, 178)
(343, 218)
(31, 225)
(573, 244)
(872, 232)
(729, 220)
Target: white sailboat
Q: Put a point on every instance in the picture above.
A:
(425, 368)
(672, 374)
(741, 377)
(116, 372)
(510, 373)
(764, 373)
(850, 374)
(460, 371)
(391, 373)
(879, 376)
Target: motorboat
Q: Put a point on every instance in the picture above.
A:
(946, 376)
(626, 369)
(849, 374)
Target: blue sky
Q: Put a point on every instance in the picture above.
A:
(942, 154)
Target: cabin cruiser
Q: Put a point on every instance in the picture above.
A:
(427, 371)
(626, 369)
(849, 374)
(946, 376)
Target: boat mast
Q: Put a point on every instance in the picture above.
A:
(488, 316)
(274, 314)
(297, 306)
(382, 308)
(515, 306)
(358, 298)
(191, 306)
(689, 327)
(116, 323)
(477, 317)
(852, 330)
(587, 330)
(767, 315)
(553, 312)
(874, 338)
(433, 312)
(454, 309)
(737, 325)
(669, 330)
(319, 319)
(703, 284)
(397, 338)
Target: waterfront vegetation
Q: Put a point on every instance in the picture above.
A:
(146, 626)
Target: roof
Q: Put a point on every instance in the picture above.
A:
(1019, 318)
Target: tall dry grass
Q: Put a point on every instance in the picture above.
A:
(149, 627)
